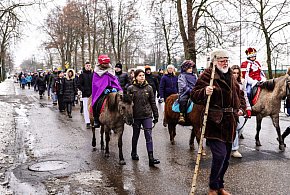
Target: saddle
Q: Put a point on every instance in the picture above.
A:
(100, 103)
(175, 106)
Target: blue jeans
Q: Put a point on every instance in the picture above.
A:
(54, 96)
(239, 131)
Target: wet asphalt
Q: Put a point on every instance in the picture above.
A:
(43, 134)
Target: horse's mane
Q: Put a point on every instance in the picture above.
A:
(113, 100)
(269, 85)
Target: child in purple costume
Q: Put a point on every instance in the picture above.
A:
(104, 81)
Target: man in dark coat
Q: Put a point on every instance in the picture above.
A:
(85, 85)
(152, 80)
(226, 104)
(123, 77)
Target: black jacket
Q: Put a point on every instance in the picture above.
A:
(144, 101)
(85, 83)
(123, 79)
(153, 82)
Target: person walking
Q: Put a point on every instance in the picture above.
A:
(28, 80)
(41, 84)
(238, 76)
(152, 80)
(143, 109)
(186, 81)
(23, 81)
(58, 90)
(69, 90)
(123, 77)
(85, 85)
(168, 86)
(50, 84)
(226, 104)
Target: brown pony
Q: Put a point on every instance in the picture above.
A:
(269, 104)
(118, 110)
(193, 119)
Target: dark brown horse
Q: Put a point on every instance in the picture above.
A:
(194, 119)
(269, 104)
(118, 110)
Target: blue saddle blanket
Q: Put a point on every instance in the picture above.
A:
(175, 107)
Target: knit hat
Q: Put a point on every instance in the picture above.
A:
(186, 64)
(147, 67)
(251, 52)
(118, 65)
(104, 59)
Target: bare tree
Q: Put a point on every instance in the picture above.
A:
(270, 18)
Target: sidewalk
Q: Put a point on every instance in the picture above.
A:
(7, 132)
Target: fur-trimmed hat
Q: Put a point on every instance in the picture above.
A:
(221, 53)
(251, 52)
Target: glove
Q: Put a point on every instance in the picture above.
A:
(249, 114)
(107, 91)
(155, 120)
(114, 90)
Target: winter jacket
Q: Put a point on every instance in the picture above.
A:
(28, 79)
(186, 82)
(40, 82)
(153, 82)
(51, 79)
(144, 101)
(225, 102)
(85, 83)
(123, 79)
(69, 88)
(168, 85)
(58, 86)
(23, 81)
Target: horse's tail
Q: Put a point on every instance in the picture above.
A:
(112, 102)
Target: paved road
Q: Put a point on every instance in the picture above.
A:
(43, 134)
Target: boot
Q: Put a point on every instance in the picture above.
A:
(96, 123)
(152, 160)
(69, 115)
(134, 156)
(181, 118)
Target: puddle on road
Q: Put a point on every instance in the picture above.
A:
(48, 166)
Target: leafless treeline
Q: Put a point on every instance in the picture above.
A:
(178, 29)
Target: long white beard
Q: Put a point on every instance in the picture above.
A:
(223, 70)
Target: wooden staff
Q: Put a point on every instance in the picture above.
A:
(193, 186)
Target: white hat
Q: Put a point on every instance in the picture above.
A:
(221, 53)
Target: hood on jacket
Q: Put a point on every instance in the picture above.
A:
(73, 76)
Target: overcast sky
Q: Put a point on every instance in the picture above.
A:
(32, 37)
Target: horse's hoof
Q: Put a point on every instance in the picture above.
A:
(258, 143)
(102, 148)
(203, 153)
(107, 155)
(94, 143)
(172, 142)
(282, 147)
(122, 162)
(94, 149)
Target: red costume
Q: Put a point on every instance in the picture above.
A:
(251, 69)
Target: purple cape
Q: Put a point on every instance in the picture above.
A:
(100, 83)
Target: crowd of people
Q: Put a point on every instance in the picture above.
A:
(230, 99)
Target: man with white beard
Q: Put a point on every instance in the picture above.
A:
(226, 104)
